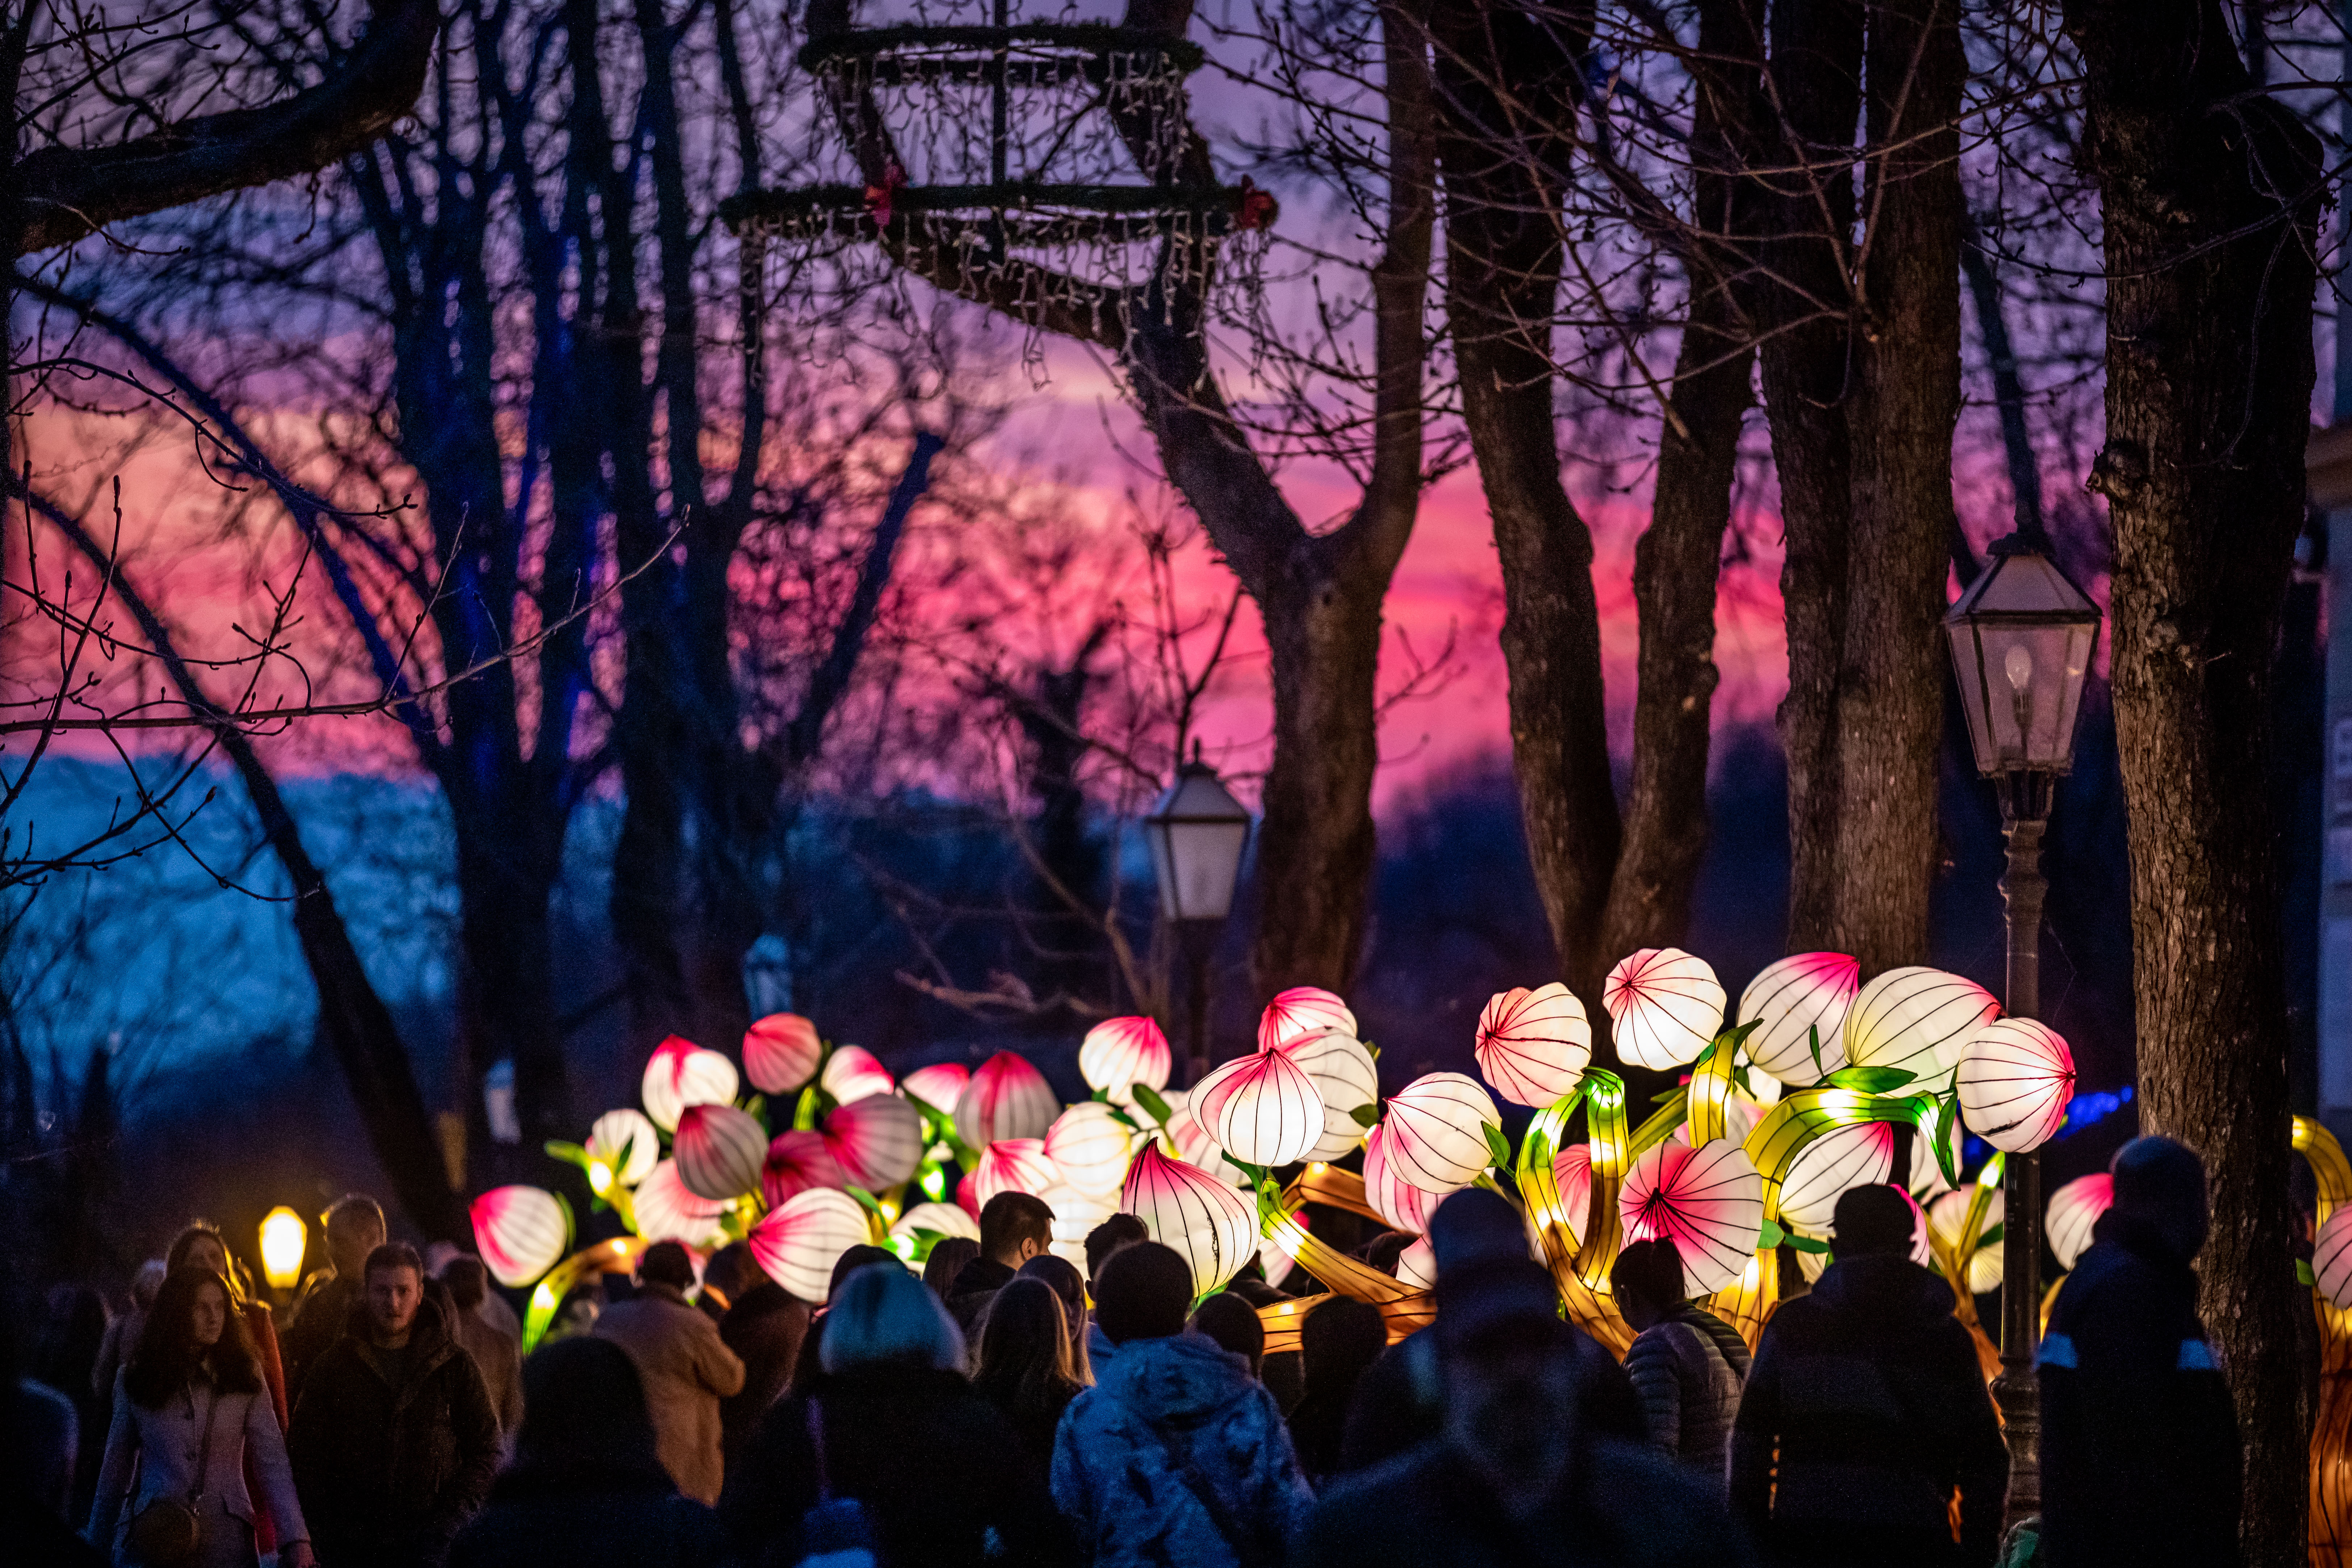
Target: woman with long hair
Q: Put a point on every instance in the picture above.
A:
(1071, 1287)
(188, 1409)
(202, 1245)
(1024, 1364)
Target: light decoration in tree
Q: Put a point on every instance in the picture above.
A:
(1946, 1223)
(681, 1073)
(1119, 1053)
(1918, 1020)
(1708, 1201)
(1089, 1145)
(1261, 1109)
(797, 1161)
(2073, 1210)
(1212, 1226)
(626, 1144)
(781, 1053)
(878, 1141)
(852, 1073)
(937, 1086)
(1437, 1136)
(1301, 1011)
(1666, 1007)
(2015, 1080)
(798, 1244)
(1534, 1046)
(1344, 1075)
(1013, 1165)
(1797, 999)
(1007, 1098)
(666, 1211)
(520, 1232)
(1400, 1205)
(720, 1150)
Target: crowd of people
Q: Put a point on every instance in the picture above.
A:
(1008, 1407)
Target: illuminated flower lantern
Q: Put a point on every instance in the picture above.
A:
(2073, 1209)
(938, 1086)
(1194, 1145)
(798, 1244)
(781, 1053)
(1436, 1137)
(1301, 1010)
(1918, 1019)
(1945, 1216)
(1075, 1217)
(1845, 1157)
(1534, 1046)
(1417, 1265)
(666, 1211)
(1345, 1078)
(1089, 1146)
(796, 1163)
(878, 1141)
(1401, 1204)
(1261, 1109)
(2016, 1077)
(680, 1073)
(1708, 1201)
(2331, 1256)
(1211, 1225)
(626, 1144)
(1795, 998)
(1665, 1004)
(1926, 1170)
(720, 1150)
(852, 1073)
(520, 1232)
(1572, 1173)
(1007, 1098)
(1013, 1165)
(1741, 1112)
(940, 1219)
(1119, 1053)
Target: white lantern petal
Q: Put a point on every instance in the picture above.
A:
(798, 1244)
(2331, 1258)
(1348, 1081)
(1845, 1157)
(627, 1143)
(1572, 1173)
(681, 1073)
(666, 1211)
(1013, 1165)
(938, 1086)
(1089, 1145)
(1417, 1265)
(520, 1232)
(2016, 1079)
(1007, 1098)
(1708, 1201)
(1261, 1109)
(1666, 1007)
(720, 1150)
(1302, 1010)
(1436, 1131)
(854, 1073)
(939, 1219)
(1212, 1227)
(1119, 1053)
(1918, 1019)
(1534, 1046)
(2073, 1210)
(781, 1053)
(1795, 998)
(1400, 1203)
(1944, 1217)
(878, 1141)
(1194, 1145)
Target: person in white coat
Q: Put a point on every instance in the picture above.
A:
(188, 1407)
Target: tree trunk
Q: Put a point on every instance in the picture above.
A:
(2210, 199)
(1906, 358)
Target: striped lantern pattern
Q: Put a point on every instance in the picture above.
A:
(1301, 1010)
(1013, 1165)
(878, 1141)
(1572, 1173)
(1194, 1145)
(1793, 997)
(1708, 1201)
(681, 1073)
(2331, 1258)
(798, 1244)
(1436, 1131)
(1210, 1224)
(938, 1086)
(2073, 1210)
(1534, 1046)
(1918, 1019)
(627, 1143)
(720, 1150)
(1401, 1204)
(852, 1073)
(520, 1232)
(1261, 1109)
(666, 1211)
(1007, 1098)
(798, 1161)
(1344, 1075)
(1944, 1217)
(1089, 1146)
(1075, 1217)
(1417, 1265)
(1665, 1004)
(1119, 1053)
(2016, 1078)
(940, 1219)
(781, 1053)
(1741, 1112)
(1855, 1156)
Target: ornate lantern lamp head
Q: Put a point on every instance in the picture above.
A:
(1197, 835)
(2021, 639)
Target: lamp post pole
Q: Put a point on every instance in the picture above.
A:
(1199, 939)
(1196, 836)
(2025, 797)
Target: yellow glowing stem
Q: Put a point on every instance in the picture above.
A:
(1811, 1113)
(1711, 1094)
(618, 1256)
(1604, 1119)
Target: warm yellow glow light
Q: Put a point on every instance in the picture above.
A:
(1990, 1175)
(599, 1177)
(283, 1239)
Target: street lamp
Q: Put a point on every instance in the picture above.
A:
(1196, 835)
(284, 1238)
(2022, 636)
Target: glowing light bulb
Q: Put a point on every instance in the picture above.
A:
(2018, 665)
(1990, 1175)
(283, 1239)
(599, 1177)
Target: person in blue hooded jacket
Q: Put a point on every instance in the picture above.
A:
(1177, 1454)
